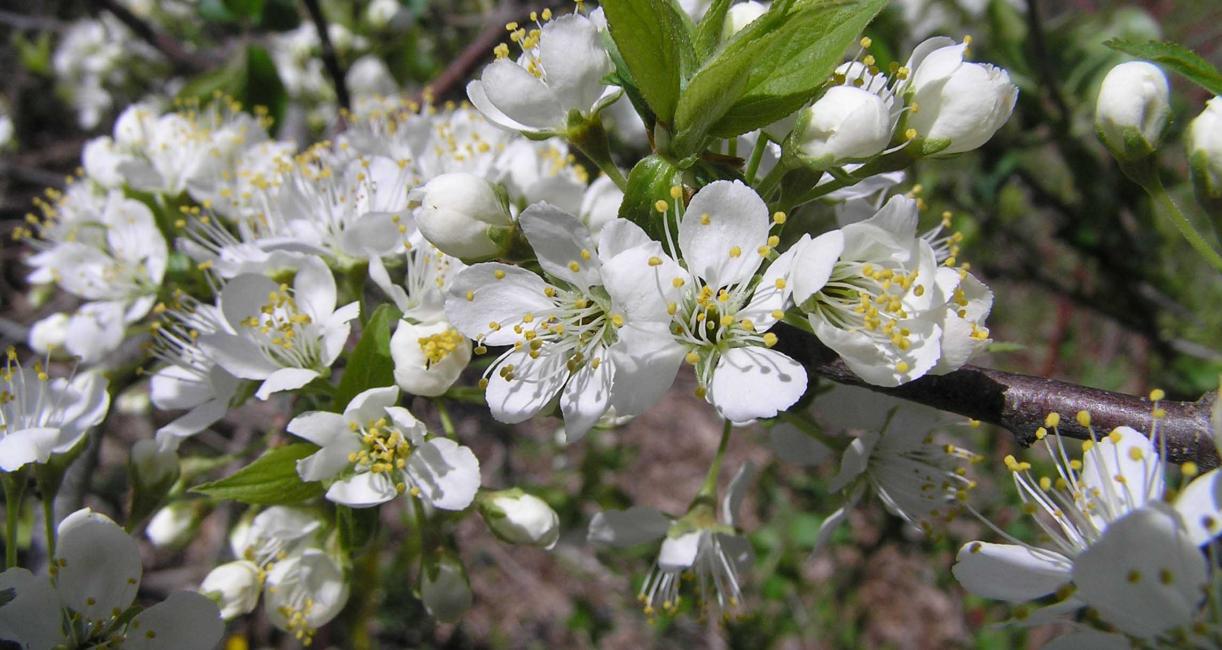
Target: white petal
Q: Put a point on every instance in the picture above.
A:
(479, 99)
(733, 499)
(314, 289)
(898, 216)
(491, 300)
(737, 222)
(561, 241)
(641, 282)
(175, 387)
(32, 617)
(1144, 576)
(192, 422)
(238, 355)
(587, 396)
(535, 382)
(619, 235)
(678, 553)
(99, 565)
(285, 379)
(373, 234)
(23, 446)
(319, 427)
(362, 490)
(185, 621)
(630, 527)
(771, 295)
(1200, 505)
(876, 361)
(446, 472)
(244, 296)
(574, 61)
(855, 459)
(371, 404)
(646, 362)
(1009, 572)
(755, 382)
(95, 330)
(1127, 473)
(520, 96)
(813, 262)
(329, 461)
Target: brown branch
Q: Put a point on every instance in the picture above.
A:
(1020, 403)
(181, 59)
(329, 59)
(476, 52)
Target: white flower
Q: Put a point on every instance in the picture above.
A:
(49, 334)
(560, 72)
(1114, 545)
(846, 124)
(713, 311)
(427, 276)
(376, 451)
(304, 592)
(958, 105)
(43, 416)
(174, 525)
(520, 518)
(274, 534)
(429, 357)
(1204, 143)
(534, 172)
(283, 337)
(699, 544)
(873, 292)
(235, 587)
(462, 215)
(1132, 109)
(97, 572)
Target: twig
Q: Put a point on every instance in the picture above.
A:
(40, 23)
(471, 56)
(1020, 403)
(1044, 64)
(329, 60)
(181, 59)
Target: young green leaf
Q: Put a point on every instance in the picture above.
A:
(708, 31)
(270, 480)
(648, 182)
(654, 39)
(1175, 57)
(370, 365)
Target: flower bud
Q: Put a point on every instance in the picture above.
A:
(1204, 140)
(174, 525)
(464, 216)
(235, 588)
(1132, 109)
(741, 15)
(444, 588)
(847, 124)
(49, 334)
(955, 105)
(153, 466)
(520, 518)
(428, 358)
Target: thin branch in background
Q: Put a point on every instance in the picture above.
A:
(181, 59)
(1035, 27)
(329, 60)
(465, 63)
(1019, 403)
(23, 21)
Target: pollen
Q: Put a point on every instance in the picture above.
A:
(499, 274)
(660, 206)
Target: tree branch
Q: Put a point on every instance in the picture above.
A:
(329, 60)
(181, 59)
(1020, 403)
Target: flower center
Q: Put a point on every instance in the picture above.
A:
(385, 451)
(437, 347)
(281, 330)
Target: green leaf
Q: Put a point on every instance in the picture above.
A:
(790, 56)
(1175, 57)
(654, 39)
(357, 528)
(370, 365)
(648, 182)
(263, 86)
(708, 32)
(270, 480)
(246, 9)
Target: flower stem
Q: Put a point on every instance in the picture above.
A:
(757, 154)
(709, 489)
(591, 138)
(1166, 205)
(48, 522)
(14, 489)
(447, 423)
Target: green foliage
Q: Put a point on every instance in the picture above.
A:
(648, 182)
(270, 480)
(250, 77)
(370, 365)
(1175, 57)
(357, 527)
(654, 39)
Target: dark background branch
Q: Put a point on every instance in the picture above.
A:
(1019, 403)
(182, 60)
(329, 59)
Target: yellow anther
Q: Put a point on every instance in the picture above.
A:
(655, 261)
(735, 251)
(1157, 394)
(1083, 418)
(1052, 420)
(769, 339)
(499, 274)
(660, 206)
(574, 266)
(676, 191)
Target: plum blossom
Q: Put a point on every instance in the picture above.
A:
(284, 337)
(376, 451)
(41, 416)
(560, 73)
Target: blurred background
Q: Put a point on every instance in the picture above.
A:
(1092, 287)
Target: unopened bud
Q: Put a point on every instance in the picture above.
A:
(847, 124)
(174, 525)
(1132, 109)
(444, 588)
(464, 216)
(1204, 140)
(520, 518)
(741, 15)
(234, 586)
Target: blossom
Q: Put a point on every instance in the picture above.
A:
(1132, 109)
(41, 416)
(462, 215)
(428, 357)
(97, 572)
(560, 72)
(304, 592)
(704, 543)
(561, 328)
(376, 451)
(235, 587)
(284, 337)
(845, 124)
(955, 106)
(1114, 544)
(520, 518)
(873, 292)
(712, 311)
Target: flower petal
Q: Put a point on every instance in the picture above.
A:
(1124, 470)
(647, 358)
(1009, 572)
(371, 404)
(535, 382)
(23, 446)
(494, 293)
(561, 243)
(314, 289)
(520, 96)
(679, 553)
(99, 565)
(446, 472)
(32, 617)
(285, 379)
(187, 620)
(362, 490)
(574, 61)
(813, 262)
(329, 461)
(1200, 505)
(723, 250)
(641, 282)
(587, 395)
(755, 382)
